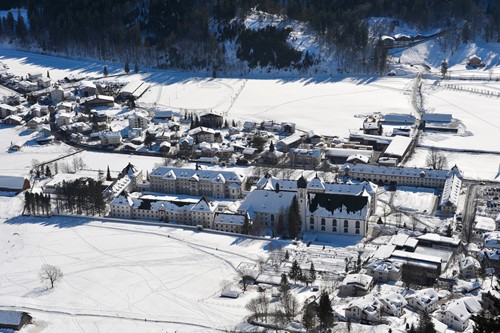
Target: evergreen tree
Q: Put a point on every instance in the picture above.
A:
(308, 318)
(38, 173)
(245, 229)
(284, 286)
(294, 222)
(127, 67)
(21, 30)
(425, 324)
(136, 68)
(295, 271)
(444, 68)
(233, 123)
(287, 255)
(271, 147)
(48, 74)
(105, 71)
(312, 273)
(226, 125)
(108, 175)
(325, 311)
(10, 24)
(48, 173)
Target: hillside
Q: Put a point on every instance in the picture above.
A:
(238, 38)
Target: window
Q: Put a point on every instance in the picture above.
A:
(272, 218)
(334, 229)
(322, 221)
(322, 228)
(311, 220)
(346, 230)
(357, 231)
(346, 224)
(312, 227)
(357, 224)
(334, 223)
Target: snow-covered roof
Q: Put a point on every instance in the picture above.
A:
(359, 280)
(289, 140)
(8, 107)
(433, 237)
(383, 266)
(425, 297)
(399, 118)
(492, 240)
(263, 201)
(403, 240)
(369, 304)
(204, 206)
(174, 173)
(437, 117)
(9, 317)
(393, 300)
(451, 191)
(398, 146)
(186, 139)
(463, 308)
(201, 130)
(396, 171)
(306, 152)
(225, 218)
(12, 182)
(484, 223)
(122, 200)
(346, 152)
(425, 261)
(358, 157)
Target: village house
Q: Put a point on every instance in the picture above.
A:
(289, 142)
(383, 270)
(305, 157)
(186, 146)
(456, 313)
(111, 139)
(356, 285)
(287, 127)
(211, 183)
(211, 119)
(7, 110)
(87, 88)
(398, 147)
(137, 120)
(372, 126)
(475, 61)
(340, 155)
(424, 300)
(393, 303)
(13, 120)
(63, 119)
(363, 309)
(13, 184)
(98, 100)
(468, 268)
(57, 94)
(202, 134)
(26, 86)
(34, 122)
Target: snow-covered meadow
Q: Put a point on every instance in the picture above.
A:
(126, 276)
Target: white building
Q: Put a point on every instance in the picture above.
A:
(456, 313)
(111, 138)
(424, 300)
(393, 303)
(138, 121)
(383, 270)
(7, 110)
(230, 222)
(211, 183)
(356, 285)
(366, 308)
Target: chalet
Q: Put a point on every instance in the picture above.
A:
(34, 76)
(13, 120)
(57, 94)
(87, 88)
(165, 147)
(468, 268)
(314, 137)
(202, 134)
(7, 110)
(211, 119)
(26, 86)
(249, 126)
(33, 123)
(271, 157)
(287, 127)
(358, 158)
(456, 313)
(393, 303)
(64, 119)
(13, 320)
(424, 300)
(250, 153)
(383, 270)
(475, 61)
(13, 184)
(356, 285)
(364, 309)
(186, 146)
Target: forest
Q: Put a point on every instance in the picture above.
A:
(192, 34)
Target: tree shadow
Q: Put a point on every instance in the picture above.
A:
(56, 221)
(39, 291)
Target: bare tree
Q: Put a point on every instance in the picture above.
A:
(436, 160)
(259, 307)
(50, 273)
(245, 278)
(290, 305)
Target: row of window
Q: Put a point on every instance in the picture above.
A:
(334, 222)
(334, 229)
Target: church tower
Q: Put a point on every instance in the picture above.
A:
(302, 199)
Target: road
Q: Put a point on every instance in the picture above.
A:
(469, 213)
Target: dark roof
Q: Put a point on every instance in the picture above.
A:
(332, 202)
(146, 203)
(302, 182)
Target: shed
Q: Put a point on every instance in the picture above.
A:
(13, 183)
(230, 294)
(14, 320)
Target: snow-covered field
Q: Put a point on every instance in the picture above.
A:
(125, 276)
(413, 199)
